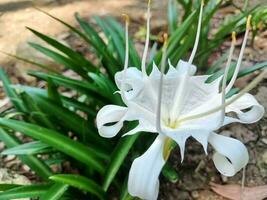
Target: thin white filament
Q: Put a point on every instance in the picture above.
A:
(180, 89)
(249, 87)
(228, 64)
(190, 61)
(243, 183)
(126, 62)
(239, 61)
(143, 67)
(162, 69)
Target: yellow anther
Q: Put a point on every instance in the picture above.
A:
(165, 39)
(149, 2)
(248, 26)
(234, 37)
(126, 18)
(202, 3)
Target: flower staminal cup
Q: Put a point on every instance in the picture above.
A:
(177, 105)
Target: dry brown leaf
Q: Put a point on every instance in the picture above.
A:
(233, 192)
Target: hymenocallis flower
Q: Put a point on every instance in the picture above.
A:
(177, 105)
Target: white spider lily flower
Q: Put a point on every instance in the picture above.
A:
(176, 106)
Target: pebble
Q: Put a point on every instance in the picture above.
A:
(195, 194)
(264, 157)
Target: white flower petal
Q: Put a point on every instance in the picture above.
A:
(181, 135)
(110, 114)
(200, 95)
(143, 179)
(133, 82)
(180, 139)
(231, 155)
(251, 116)
(202, 136)
(155, 71)
(171, 70)
(182, 67)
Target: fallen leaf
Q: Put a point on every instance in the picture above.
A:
(234, 192)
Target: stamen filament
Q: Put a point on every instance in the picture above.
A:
(126, 62)
(190, 61)
(226, 74)
(231, 83)
(249, 87)
(143, 66)
(162, 69)
(180, 89)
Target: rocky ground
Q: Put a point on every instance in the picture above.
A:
(197, 170)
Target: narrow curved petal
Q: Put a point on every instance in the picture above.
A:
(231, 155)
(110, 114)
(247, 101)
(133, 82)
(143, 179)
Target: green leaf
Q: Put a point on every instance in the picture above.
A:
(134, 58)
(27, 149)
(60, 142)
(172, 16)
(83, 87)
(70, 121)
(15, 99)
(108, 61)
(170, 173)
(117, 158)
(69, 103)
(73, 55)
(116, 39)
(55, 192)
(242, 72)
(34, 163)
(59, 58)
(32, 62)
(81, 183)
(29, 191)
(52, 91)
(4, 187)
(34, 112)
(217, 64)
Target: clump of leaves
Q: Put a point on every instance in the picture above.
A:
(63, 128)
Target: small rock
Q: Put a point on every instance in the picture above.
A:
(195, 194)
(10, 177)
(264, 140)
(261, 96)
(264, 157)
(224, 178)
(9, 158)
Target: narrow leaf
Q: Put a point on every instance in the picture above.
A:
(60, 142)
(81, 183)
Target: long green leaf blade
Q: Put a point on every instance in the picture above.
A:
(34, 163)
(117, 158)
(29, 191)
(55, 192)
(81, 183)
(58, 141)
